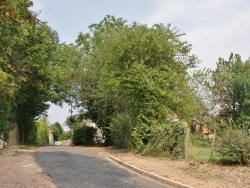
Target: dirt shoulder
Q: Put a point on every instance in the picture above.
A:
(18, 169)
(192, 174)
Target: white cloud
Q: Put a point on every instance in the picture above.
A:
(214, 28)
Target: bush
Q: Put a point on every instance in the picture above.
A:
(120, 130)
(167, 141)
(84, 136)
(234, 147)
(142, 132)
(42, 137)
(38, 132)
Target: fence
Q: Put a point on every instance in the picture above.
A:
(207, 151)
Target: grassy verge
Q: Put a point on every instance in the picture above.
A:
(29, 147)
(202, 154)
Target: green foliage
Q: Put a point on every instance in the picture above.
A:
(29, 59)
(38, 133)
(66, 135)
(167, 141)
(225, 92)
(234, 146)
(120, 130)
(134, 69)
(84, 136)
(65, 74)
(142, 132)
(57, 129)
(200, 141)
(231, 88)
(75, 121)
(34, 88)
(32, 135)
(5, 116)
(42, 134)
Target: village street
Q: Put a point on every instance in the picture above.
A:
(71, 167)
(21, 167)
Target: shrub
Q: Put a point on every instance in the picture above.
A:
(42, 137)
(234, 146)
(142, 132)
(38, 132)
(84, 136)
(167, 141)
(120, 130)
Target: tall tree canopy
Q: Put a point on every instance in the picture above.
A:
(137, 70)
(29, 57)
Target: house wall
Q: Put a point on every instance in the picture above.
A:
(51, 138)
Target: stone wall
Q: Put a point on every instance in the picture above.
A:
(13, 136)
(1, 144)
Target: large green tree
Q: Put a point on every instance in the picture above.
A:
(137, 70)
(231, 87)
(29, 60)
(14, 20)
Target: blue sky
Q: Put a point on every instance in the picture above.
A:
(215, 28)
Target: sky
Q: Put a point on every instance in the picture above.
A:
(215, 28)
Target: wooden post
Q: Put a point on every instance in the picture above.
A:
(212, 145)
(186, 143)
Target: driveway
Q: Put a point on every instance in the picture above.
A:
(74, 167)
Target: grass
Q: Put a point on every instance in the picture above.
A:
(201, 154)
(30, 147)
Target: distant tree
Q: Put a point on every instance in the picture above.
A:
(65, 136)
(75, 121)
(57, 129)
(231, 88)
(59, 126)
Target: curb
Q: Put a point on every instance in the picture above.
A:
(151, 175)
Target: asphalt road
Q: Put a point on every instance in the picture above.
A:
(74, 167)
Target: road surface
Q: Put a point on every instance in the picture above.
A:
(74, 167)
